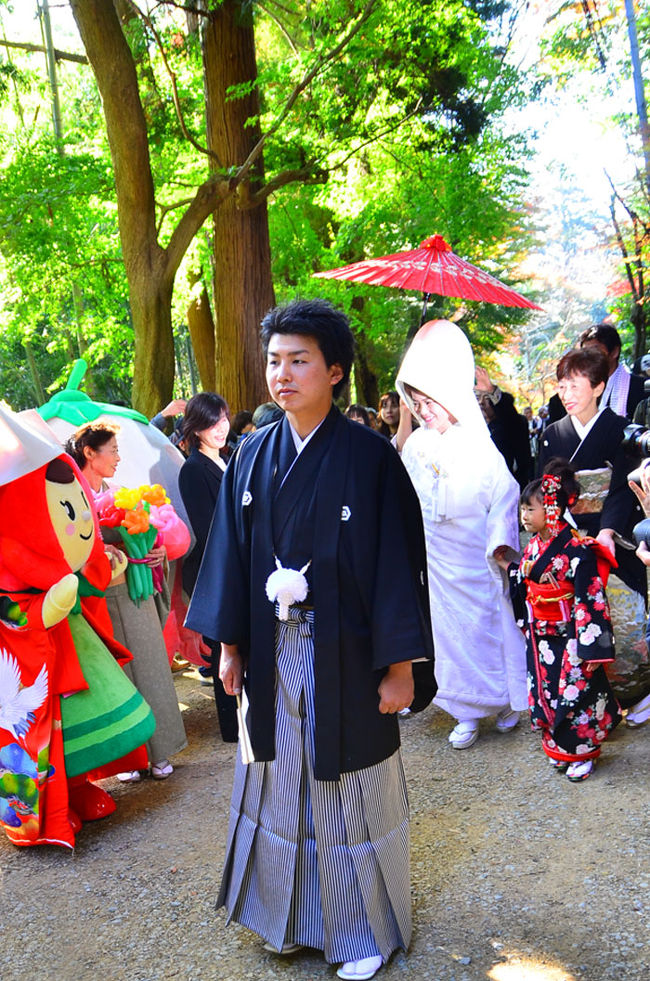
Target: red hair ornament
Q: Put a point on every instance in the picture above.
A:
(550, 486)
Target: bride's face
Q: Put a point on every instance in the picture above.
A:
(432, 414)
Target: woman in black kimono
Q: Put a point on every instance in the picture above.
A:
(591, 440)
(205, 428)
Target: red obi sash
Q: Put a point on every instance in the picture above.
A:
(549, 602)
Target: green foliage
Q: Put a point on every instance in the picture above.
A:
(62, 278)
(389, 200)
(595, 42)
(405, 126)
(431, 61)
(408, 125)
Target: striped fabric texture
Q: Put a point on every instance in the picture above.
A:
(319, 863)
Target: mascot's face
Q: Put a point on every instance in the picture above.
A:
(72, 520)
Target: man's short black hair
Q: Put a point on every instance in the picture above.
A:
(266, 413)
(329, 327)
(603, 334)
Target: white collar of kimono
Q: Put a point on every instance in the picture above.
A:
(298, 441)
(583, 430)
(439, 363)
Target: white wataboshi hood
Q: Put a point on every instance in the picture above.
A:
(439, 363)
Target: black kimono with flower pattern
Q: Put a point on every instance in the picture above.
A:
(569, 696)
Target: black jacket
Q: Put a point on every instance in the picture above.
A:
(348, 505)
(199, 482)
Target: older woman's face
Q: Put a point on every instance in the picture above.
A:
(104, 460)
(579, 397)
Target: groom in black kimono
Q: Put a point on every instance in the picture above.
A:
(318, 842)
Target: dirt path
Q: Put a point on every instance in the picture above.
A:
(518, 875)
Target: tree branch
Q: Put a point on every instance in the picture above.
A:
(276, 20)
(622, 247)
(189, 8)
(166, 208)
(319, 65)
(306, 175)
(208, 197)
(172, 77)
(286, 10)
(58, 55)
(633, 215)
(505, 46)
(309, 174)
(379, 136)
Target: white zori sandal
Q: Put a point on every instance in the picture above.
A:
(579, 771)
(639, 713)
(129, 776)
(464, 735)
(161, 770)
(507, 719)
(284, 950)
(360, 970)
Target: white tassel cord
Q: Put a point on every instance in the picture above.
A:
(287, 586)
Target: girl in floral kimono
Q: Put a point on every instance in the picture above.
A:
(558, 589)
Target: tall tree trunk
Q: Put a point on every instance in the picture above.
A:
(202, 333)
(639, 90)
(365, 379)
(150, 290)
(638, 320)
(41, 397)
(243, 289)
(148, 271)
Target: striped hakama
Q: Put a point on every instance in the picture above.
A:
(319, 863)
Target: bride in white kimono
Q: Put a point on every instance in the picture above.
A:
(469, 504)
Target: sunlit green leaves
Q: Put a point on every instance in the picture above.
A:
(405, 123)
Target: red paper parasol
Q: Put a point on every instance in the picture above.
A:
(432, 268)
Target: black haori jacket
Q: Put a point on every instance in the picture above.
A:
(347, 504)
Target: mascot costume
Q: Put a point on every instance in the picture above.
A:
(66, 706)
(146, 457)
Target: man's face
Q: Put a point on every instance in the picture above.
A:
(487, 409)
(297, 376)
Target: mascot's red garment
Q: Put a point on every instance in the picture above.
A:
(39, 665)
